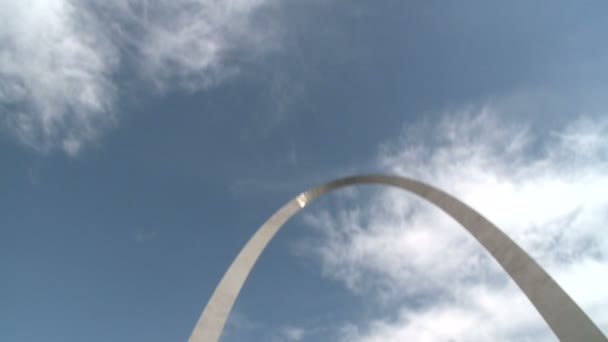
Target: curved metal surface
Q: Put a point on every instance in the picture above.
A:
(564, 316)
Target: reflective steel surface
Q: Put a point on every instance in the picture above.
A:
(562, 314)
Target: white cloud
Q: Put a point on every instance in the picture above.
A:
(59, 58)
(549, 196)
(54, 74)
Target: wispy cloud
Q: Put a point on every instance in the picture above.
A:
(142, 236)
(191, 43)
(293, 334)
(434, 279)
(59, 58)
(242, 328)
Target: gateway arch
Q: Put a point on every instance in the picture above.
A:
(562, 314)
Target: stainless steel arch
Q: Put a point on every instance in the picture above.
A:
(563, 315)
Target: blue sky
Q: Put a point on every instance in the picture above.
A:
(143, 142)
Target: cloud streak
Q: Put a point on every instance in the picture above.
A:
(59, 59)
(436, 281)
